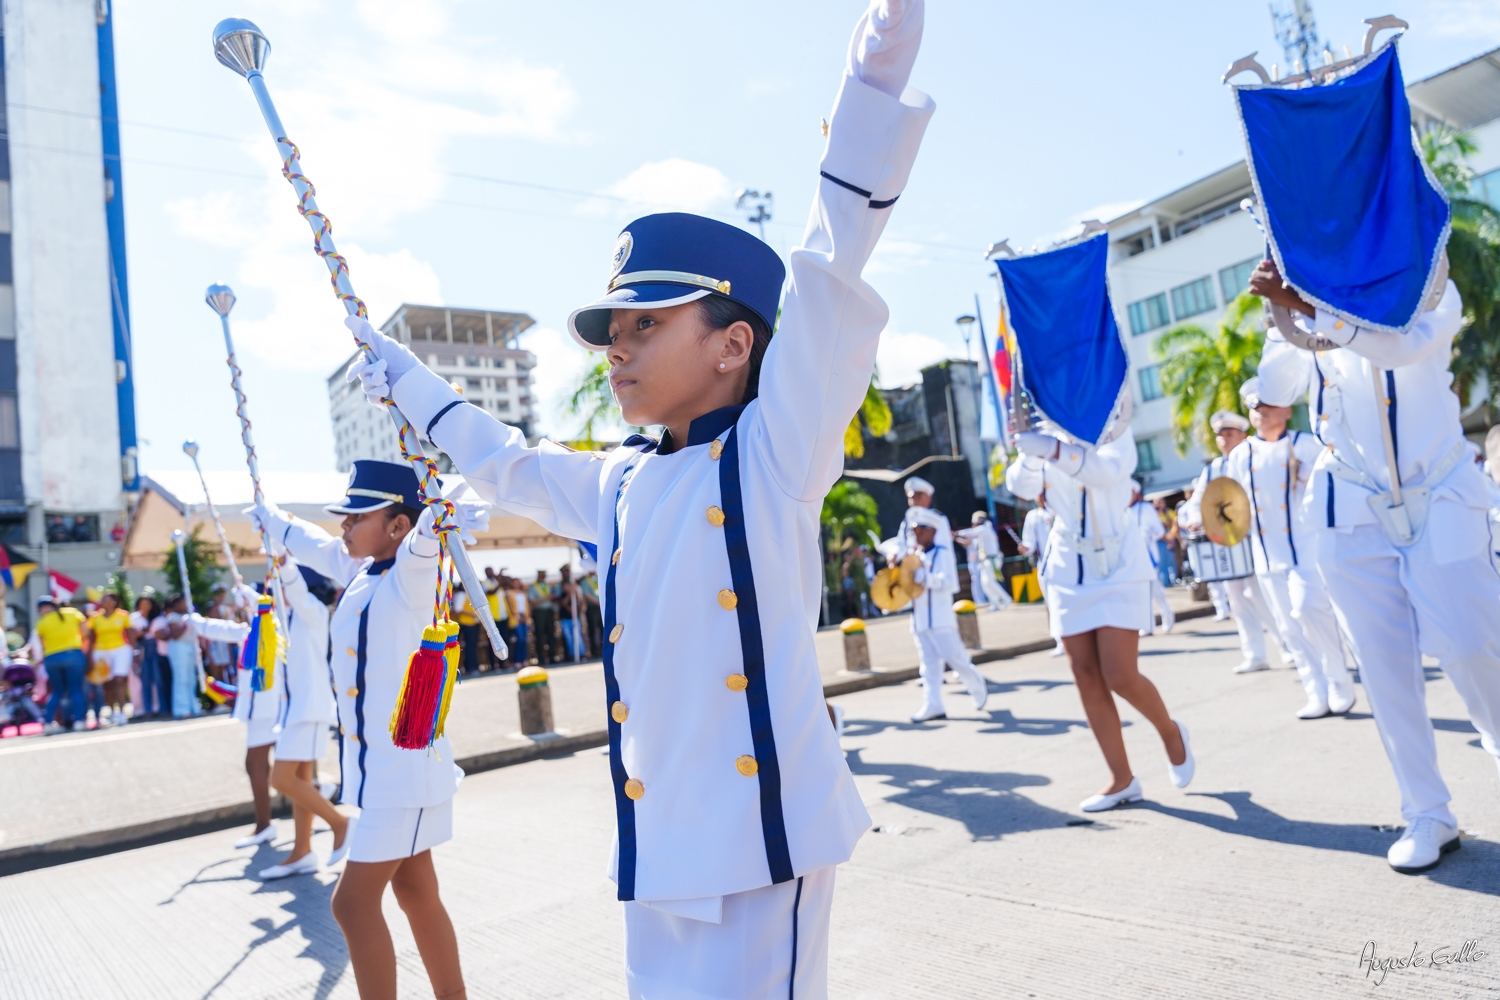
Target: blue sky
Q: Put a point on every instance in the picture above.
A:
(423, 122)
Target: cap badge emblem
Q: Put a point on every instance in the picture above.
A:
(622, 254)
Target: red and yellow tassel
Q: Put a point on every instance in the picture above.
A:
(451, 653)
(264, 677)
(415, 715)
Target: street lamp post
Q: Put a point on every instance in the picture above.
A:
(757, 207)
(965, 327)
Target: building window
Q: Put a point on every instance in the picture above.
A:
(10, 424)
(1148, 314)
(1146, 459)
(1150, 383)
(65, 528)
(1193, 298)
(1236, 279)
(1137, 244)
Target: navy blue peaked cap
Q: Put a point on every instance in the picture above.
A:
(373, 485)
(674, 257)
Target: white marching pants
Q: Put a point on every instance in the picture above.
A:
(1219, 594)
(1250, 616)
(984, 587)
(1440, 594)
(937, 646)
(1159, 602)
(769, 943)
(1304, 617)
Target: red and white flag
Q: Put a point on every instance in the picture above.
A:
(63, 586)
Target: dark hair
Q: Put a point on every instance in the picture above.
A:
(396, 509)
(719, 312)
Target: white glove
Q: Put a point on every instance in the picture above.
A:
(885, 44)
(471, 517)
(1037, 445)
(246, 597)
(920, 576)
(270, 522)
(391, 360)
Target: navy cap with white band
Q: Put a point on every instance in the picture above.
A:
(374, 485)
(673, 258)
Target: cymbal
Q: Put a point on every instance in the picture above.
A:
(895, 586)
(1226, 511)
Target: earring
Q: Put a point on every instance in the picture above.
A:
(721, 364)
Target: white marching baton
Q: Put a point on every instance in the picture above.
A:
(178, 537)
(242, 47)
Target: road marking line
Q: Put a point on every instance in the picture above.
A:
(51, 744)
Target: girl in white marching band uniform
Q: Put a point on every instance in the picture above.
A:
(1274, 467)
(734, 804)
(386, 562)
(1099, 592)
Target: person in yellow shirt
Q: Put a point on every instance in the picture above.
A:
(60, 632)
(109, 628)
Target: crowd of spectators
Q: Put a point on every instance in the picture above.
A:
(543, 622)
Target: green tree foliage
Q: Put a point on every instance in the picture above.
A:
(1473, 261)
(203, 573)
(120, 587)
(593, 400)
(1203, 371)
(875, 413)
(849, 515)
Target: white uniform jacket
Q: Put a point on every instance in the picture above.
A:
(980, 541)
(907, 542)
(1424, 411)
(1035, 531)
(933, 609)
(373, 631)
(1148, 523)
(1281, 539)
(710, 549)
(309, 685)
(1103, 474)
(248, 704)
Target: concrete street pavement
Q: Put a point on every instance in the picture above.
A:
(1265, 878)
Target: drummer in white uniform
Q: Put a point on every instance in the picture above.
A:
(919, 496)
(1274, 467)
(733, 801)
(1402, 582)
(982, 547)
(1099, 592)
(1148, 523)
(386, 562)
(1251, 617)
(934, 624)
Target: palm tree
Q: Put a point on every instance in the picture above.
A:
(1204, 371)
(1473, 262)
(849, 514)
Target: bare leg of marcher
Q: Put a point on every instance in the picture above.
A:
(1099, 707)
(1119, 659)
(258, 767)
(356, 907)
(293, 778)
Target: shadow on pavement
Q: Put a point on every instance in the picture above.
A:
(986, 802)
(1474, 868)
(1188, 652)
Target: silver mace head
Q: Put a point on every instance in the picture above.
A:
(190, 448)
(178, 535)
(220, 299)
(239, 44)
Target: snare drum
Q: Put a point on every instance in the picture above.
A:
(1216, 563)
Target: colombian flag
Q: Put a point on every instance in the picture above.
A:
(1002, 357)
(14, 567)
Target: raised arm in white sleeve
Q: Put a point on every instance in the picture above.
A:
(819, 364)
(1431, 334)
(218, 629)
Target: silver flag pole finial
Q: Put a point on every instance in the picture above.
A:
(190, 448)
(240, 45)
(220, 299)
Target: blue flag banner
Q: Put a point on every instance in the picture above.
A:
(1073, 364)
(1356, 222)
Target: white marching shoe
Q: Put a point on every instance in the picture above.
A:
(1182, 774)
(1316, 708)
(1251, 666)
(1422, 846)
(256, 839)
(1341, 697)
(342, 852)
(979, 691)
(1103, 803)
(927, 713)
(305, 865)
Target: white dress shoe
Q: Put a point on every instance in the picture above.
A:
(305, 865)
(979, 691)
(1250, 667)
(838, 719)
(1221, 617)
(1057, 650)
(342, 851)
(927, 714)
(1340, 698)
(261, 837)
(1182, 774)
(1316, 708)
(1102, 803)
(1422, 846)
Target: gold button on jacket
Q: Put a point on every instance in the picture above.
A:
(619, 712)
(715, 449)
(746, 765)
(727, 600)
(354, 692)
(615, 559)
(737, 682)
(350, 650)
(614, 633)
(715, 517)
(634, 789)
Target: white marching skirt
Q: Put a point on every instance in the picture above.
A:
(769, 942)
(260, 731)
(1073, 609)
(301, 741)
(396, 833)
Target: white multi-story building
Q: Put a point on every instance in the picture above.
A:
(474, 349)
(1182, 257)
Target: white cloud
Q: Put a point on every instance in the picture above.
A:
(1475, 19)
(675, 185)
(902, 356)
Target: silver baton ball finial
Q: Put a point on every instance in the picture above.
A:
(190, 448)
(220, 299)
(239, 44)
